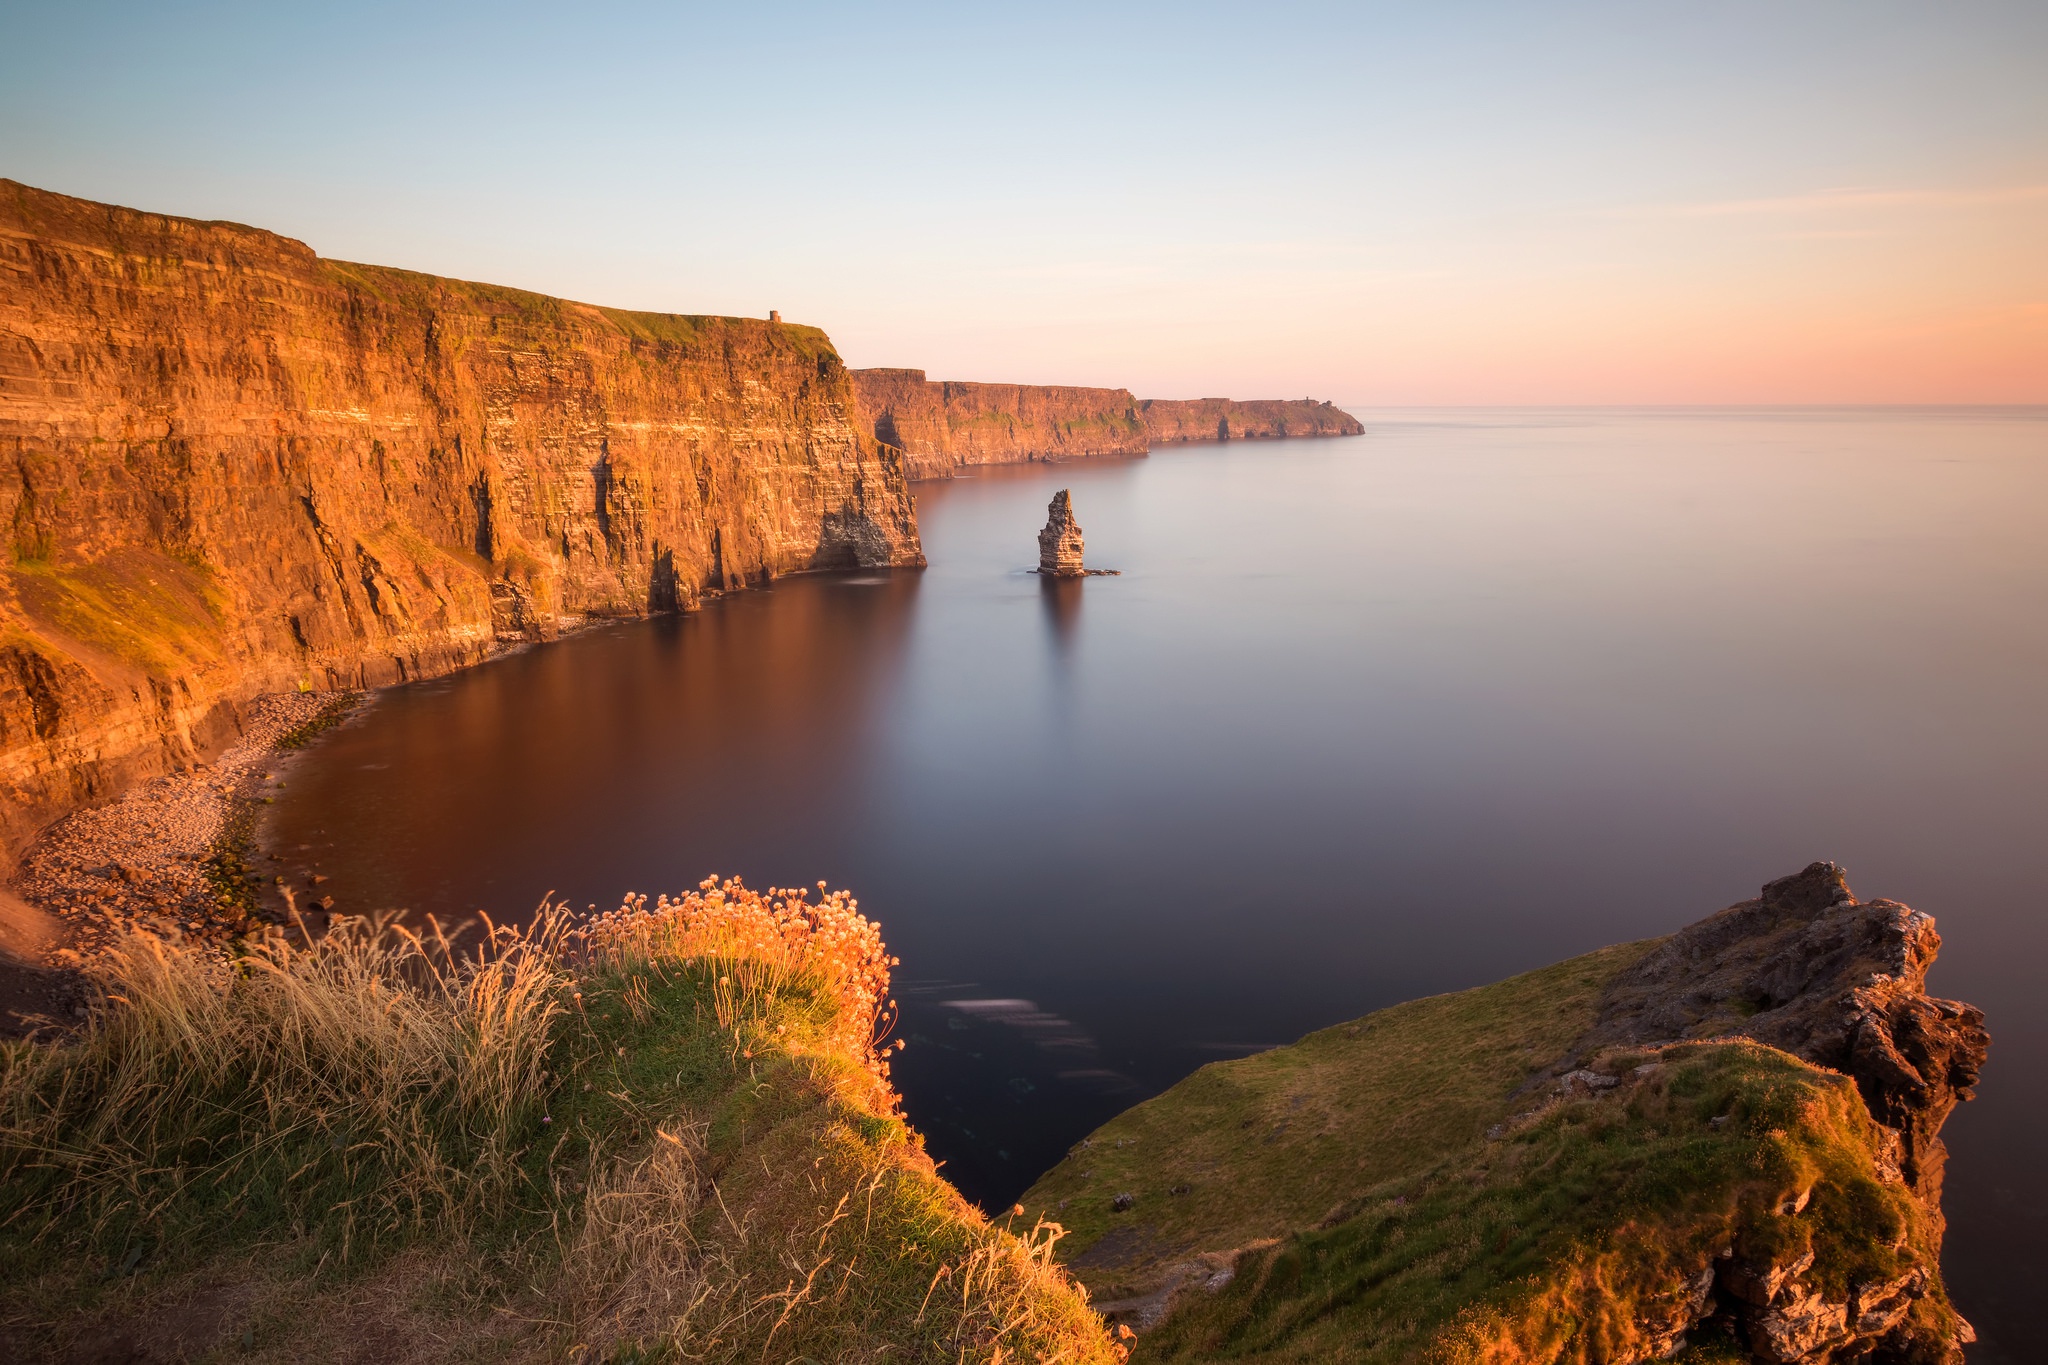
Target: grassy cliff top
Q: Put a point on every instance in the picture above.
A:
(1420, 1184)
(665, 1135)
(1251, 1149)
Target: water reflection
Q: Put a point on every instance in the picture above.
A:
(638, 757)
(1062, 599)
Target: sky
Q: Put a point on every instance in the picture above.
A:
(1444, 203)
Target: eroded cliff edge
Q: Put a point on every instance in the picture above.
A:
(233, 467)
(944, 425)
(1720, 1146)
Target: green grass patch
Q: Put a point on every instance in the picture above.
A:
(1560, 1241)
(1258, 1148)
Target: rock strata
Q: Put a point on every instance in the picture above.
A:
(234, 468)
(1059, 542)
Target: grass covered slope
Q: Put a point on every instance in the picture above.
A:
(1508, 1174)
(1257, 1148)
(665, 1135)
(1597, 1232)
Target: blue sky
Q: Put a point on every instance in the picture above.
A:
(1384, 204)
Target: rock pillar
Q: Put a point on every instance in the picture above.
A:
(1059, 544)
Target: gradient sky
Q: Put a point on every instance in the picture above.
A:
(1384, 204)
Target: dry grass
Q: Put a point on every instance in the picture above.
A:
(665, 1133)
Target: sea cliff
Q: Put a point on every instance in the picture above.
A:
(233, 467)
(944, 425)
(1224, 419)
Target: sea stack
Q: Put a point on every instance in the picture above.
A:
(1059, 544)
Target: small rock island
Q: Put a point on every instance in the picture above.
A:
(1059, 544)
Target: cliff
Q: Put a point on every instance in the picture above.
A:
(229, 467)
(940, 426)
(943, 425)
(1720, 1146)
(1224, 419)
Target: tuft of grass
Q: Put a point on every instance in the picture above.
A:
(665, 1133)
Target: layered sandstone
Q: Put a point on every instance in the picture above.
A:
(232, 467)
(943, 425)
(1059, 541)
(1225, 419)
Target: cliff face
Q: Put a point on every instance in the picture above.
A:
(942, 425)
(1225, 419)
(230, 467)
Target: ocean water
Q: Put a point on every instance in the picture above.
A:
(1360, 720)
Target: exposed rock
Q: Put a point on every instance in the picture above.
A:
(1759, 1285)
(1784, 1045)
(1798, 1327)
(232, 468)
(1059, 543)
(1808, 968)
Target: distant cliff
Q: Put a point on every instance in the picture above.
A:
(1226, 419)
(229, 466)
(942, 425)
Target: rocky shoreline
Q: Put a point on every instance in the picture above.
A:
(166, 858)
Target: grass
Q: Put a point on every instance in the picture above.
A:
(1394, 1190)
(665, 1134)
(155, 613)
(1257, 1148)
(1560, 1242)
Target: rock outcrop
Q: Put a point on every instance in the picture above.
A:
(1059, 542)
(1808, 968)
(941, 426)
(1170, 420)
(232, 467)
